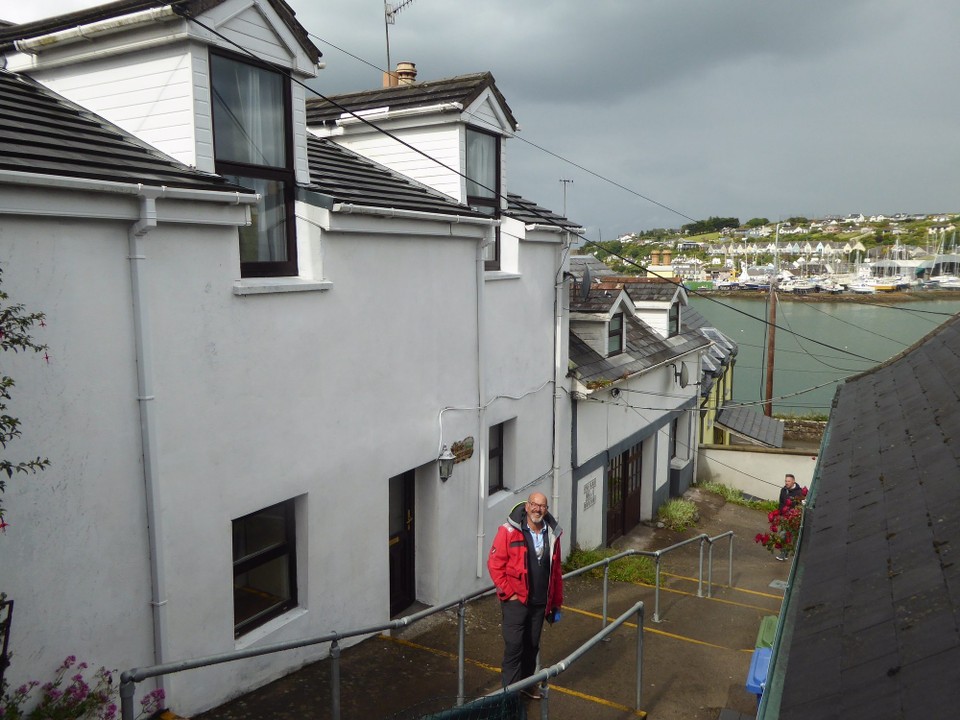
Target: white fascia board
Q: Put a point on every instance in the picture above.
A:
(403, 224)
(56, 196)
(382, 114)
(218, 17)
(487, 97)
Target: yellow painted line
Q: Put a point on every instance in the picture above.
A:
(553, 688)
(765, 610)
(655, 631)
(772, 596)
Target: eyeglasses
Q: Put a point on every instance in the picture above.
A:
(537, 505)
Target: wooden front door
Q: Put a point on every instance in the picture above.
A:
(402, 548)
(623, 492)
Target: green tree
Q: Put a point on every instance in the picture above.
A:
(757, 222)
(16, 325)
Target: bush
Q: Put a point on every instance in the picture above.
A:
(678, 514)
(635, 568)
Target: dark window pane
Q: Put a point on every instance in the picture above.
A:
(248, 113)
(265, 238)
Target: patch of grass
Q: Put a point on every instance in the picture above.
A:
(732, 495)
(635, 568)
(817, 417)
(678, 514)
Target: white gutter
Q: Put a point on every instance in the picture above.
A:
(483, 438)
(127, 188)
(38, 62)
(385, 113)
(351, 209)
(148, 440)
(79, 33)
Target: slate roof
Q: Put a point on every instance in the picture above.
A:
(347, 177)
(872, 625)
(645, 349)
(463, 89)
(641, 289)
(597, 267)
(42, 132)
(188, 8)
(750, 423)
(529, 213)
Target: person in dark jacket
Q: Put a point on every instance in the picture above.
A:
(790, 491)
(791, 495)
(524, 564)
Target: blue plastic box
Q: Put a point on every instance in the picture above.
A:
(757, 676)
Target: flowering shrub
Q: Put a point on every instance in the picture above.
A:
(784, 527)
(70, 698)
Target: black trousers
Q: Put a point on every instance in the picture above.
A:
(522, 626)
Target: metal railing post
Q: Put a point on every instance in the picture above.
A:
(545, 701)
(335, 679)
(700, 573)
(656, 603)
(730, 564)
(639, 655)
(710, 572)
(461, 649)
(606, 575)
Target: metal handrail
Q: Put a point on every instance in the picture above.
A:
(657, 554)
(129, 678)
(556, 669)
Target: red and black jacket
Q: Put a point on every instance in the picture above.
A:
(507, 562)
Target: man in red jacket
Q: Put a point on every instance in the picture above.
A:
(524, 564)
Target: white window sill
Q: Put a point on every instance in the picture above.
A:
(264, 286)
(501, 275)
(267, 629)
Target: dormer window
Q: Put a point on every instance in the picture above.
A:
(615, 335)
(482, 169)
(253, 147)
(673, 320)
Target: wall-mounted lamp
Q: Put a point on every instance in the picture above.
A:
(446, 460)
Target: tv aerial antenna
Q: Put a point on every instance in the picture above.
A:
(390, 11)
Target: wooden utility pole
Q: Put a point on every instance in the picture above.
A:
(772, 328)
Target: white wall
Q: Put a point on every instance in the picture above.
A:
(754, 470)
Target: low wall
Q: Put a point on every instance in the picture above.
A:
(755, 471)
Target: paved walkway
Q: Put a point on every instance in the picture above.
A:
(695, 660)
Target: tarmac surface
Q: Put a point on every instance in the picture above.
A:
(695, 659)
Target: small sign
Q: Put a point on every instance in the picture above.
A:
(590, 494)
(462, 450)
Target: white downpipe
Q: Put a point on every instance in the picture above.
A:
(559, 371)
(483, 435)
(145, 398)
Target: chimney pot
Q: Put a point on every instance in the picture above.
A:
(406, 73)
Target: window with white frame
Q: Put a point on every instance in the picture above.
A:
(482, 169)
(615, 335)
(253, 147)
(264, 566)
(673, 321)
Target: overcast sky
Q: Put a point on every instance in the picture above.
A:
(745, 108)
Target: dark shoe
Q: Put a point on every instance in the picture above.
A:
(532, 692)
(781, 558)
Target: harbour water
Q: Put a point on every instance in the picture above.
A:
(818, 344)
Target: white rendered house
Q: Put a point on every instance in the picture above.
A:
(244, 425)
